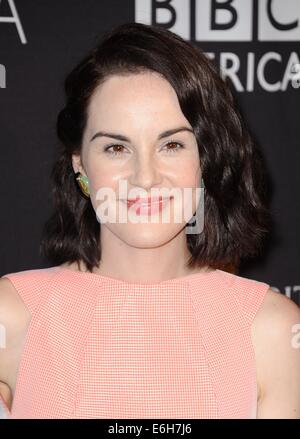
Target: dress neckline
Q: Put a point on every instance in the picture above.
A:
(174, 280)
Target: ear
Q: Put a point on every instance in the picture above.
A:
(76, 163)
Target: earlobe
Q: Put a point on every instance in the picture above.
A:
(76, 163)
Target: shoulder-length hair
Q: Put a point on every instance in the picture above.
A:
(236, 217)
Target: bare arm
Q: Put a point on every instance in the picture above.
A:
(6, 394)
(14, 318)
(277, 351)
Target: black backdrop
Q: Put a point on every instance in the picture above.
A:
(254, 42)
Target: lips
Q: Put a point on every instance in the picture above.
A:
(148, 205)
(146, 201)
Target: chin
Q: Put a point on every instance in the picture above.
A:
(147, 235)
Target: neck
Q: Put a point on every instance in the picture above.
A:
(123, 261)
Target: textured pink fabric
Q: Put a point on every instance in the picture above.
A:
(99, 347)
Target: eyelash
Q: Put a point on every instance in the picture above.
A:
(114, 153)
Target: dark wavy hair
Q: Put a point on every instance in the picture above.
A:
(236, 217)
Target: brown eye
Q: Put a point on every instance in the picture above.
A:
(114, 149)
(176, 146)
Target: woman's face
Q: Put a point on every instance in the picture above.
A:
(139, 107)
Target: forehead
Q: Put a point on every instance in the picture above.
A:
(134, 98)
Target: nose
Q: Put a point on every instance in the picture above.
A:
(145, 173)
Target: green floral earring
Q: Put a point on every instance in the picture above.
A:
(83, 183)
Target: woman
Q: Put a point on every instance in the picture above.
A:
(145, 319)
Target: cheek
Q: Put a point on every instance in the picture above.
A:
(188, 174)
(99, 172)
(103, 188)
(188, 180)
(101, 177)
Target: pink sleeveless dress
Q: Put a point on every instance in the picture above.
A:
(99, 347)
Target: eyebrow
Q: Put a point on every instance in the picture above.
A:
(166, 133)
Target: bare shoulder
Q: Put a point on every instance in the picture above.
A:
(14, 320)
(276, 316)
(276, 340)
(13, 311)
